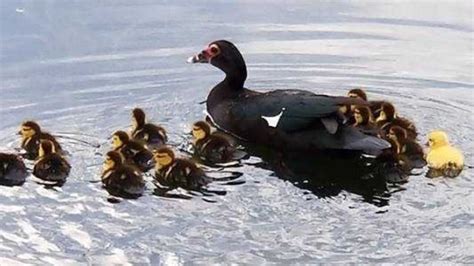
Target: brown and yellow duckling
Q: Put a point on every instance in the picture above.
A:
(121, 179)
(213, 147)
(359, 93)
(363, 119)
(13, 171)
(442, 158)
(50, 165)
(31, 135)
(152, 135)
(407, 147)
(388, 118)
(178, 172)
(132, 151)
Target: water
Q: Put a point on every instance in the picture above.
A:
(80, 67)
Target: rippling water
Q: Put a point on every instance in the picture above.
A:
(79, 67)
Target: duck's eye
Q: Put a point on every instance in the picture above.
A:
(214, 50)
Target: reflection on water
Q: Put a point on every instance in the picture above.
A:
(81, 67)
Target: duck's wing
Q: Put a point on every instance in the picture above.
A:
(292, 110)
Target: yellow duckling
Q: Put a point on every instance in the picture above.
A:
(442, 158)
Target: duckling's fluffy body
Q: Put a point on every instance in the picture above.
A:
(178, 172)
(51, 166)
(31, 137)
(133, 151)
(213, 147)
(121, 179)
(12, 170)
(150, 134)
(442, 158)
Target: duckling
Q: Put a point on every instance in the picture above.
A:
(133, 152)
(152, 135)
(51, 166)
(442, 158)
(31, 136)
(407, 147)
(359, 93)
(363, 119)
(12, 170)
(177, 172)
(121, 179)
(388, 117)
(213, 147)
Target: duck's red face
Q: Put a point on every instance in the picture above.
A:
(206, 55)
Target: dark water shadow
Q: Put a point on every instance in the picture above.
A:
(327, 174)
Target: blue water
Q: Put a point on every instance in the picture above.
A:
(79, 67)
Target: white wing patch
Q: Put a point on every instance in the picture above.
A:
(273, 120)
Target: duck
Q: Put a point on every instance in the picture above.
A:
(152, 135)
(359, 93)
(213, 147)
(31, 135)
(121, 179)
(133, 151)
(51, 166)
(363, 119)
(175, 172)
(287, 120)
(442, 158)
(407, 147)
(13, 171)
(388, 117)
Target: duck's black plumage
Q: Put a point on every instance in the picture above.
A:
(307, 121)
(122, 180)
(12, 170)
(51, 166)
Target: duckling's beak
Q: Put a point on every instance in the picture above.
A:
(427, 144)
(18, 133)
(199, 58)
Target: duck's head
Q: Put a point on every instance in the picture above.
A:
(46, 147)
(437, 139)
(387, 112)
(163, 157)
(28, 129)
(119, 138)
(397, 133)
(362, 115)
(113, 160)
(357, 93)
(223, 55)
(201, 130)
(138, 118)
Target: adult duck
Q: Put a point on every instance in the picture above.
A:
(288, 120)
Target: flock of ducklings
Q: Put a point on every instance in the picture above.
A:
(144, 148)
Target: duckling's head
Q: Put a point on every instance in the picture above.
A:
(437, 139)
(119, 138)
(113, 160)
(387, 112)
(46, 147)
(163, 157)
(138, 117)
(201, 130)
(28, 129)
(397, 134)
(362, 115)
(357, 93)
